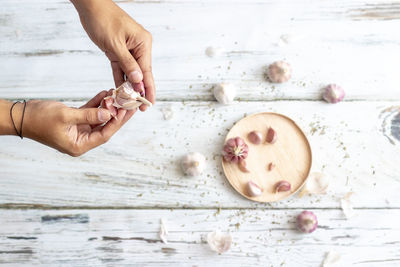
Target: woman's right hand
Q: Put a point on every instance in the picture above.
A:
(73, 131)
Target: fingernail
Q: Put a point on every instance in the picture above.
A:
(139, 87)
(135, 76)
(104, 115)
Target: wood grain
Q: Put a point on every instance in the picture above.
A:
(260, 238)
(291, 153)
(139, 167)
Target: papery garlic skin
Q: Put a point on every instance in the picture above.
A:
(332, 259)
(127, 98)
(212, 51)
(235, 149)
(253, 189)
(219, 242)
(279, 72)
(347, 205)
(307, 222)
(163, 234)
(224, 93)
(193, 164)
(333, 93)
(317, 183)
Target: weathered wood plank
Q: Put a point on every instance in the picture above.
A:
(352, 142)
(130, 237)
(46, 54)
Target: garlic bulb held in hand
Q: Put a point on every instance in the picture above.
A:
(253, 189)
(307, 221)
(127, 98)
(333, 93)
(224, 93)
(235, 149)
(279, 72)
(193, 164)
(219, 242)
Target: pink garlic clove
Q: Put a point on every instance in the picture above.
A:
(253, 189)
(333, 93)
(235, 150)
(271, 136)
(126, 97)
(243, 166)
(279, 72)
(282, 186)
(307, 222)
(255, 137)
(271, 166)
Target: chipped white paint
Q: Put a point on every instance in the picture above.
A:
(44, 53)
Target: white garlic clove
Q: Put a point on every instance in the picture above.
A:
(224, 93)
(127, 98)
(307, 222)
(193, 164)
(279, 72)
(317, 183)
(163, 234)
(333, 93)
(255, 137)
(347, 205)
(332, 259)
(253, 190)
(243, 166)
(219, 242)
(212, 51)
(271, 136)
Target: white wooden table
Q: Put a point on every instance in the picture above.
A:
(104, 208)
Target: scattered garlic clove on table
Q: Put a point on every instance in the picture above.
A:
(224, 93)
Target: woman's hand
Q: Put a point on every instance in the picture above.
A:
(126, 43)
(70, 130)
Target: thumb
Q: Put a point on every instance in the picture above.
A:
(129, 65)
(90, 115)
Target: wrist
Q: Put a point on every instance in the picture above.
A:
(6, 122)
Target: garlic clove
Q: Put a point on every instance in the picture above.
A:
(317, 183)
(255, 137)
(224, 93)
(333, 93)
(127, 98)
(282, 186)
(307, 222)
(347, 205)
(332, 259)
(253, 189)
(271, 136)
(243, 166)
(163, 234)
(219, 242)
(193, 164)
(271, 166)
(212, 51)
(279, 72)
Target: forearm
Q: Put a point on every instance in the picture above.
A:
(6, 125)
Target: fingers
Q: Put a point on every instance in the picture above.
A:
(118, 74)
(128, 64)
(95, 101)
(103, 134)
(91, 116)
(145, 64)
(149, 88)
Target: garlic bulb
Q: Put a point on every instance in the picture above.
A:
(235, 150)
(219, 242)
(279, 72)
(317, 183)
(193, 164)
(307, 221)
(163, 234)
(212, 51)
(224, 93)
(253, 189)
(127, 98)
(333, 93)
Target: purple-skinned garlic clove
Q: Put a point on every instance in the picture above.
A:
(307, 222)
(282, 186)
(235, 149)
(253, 189)
(255, 137)
(279, 72)
(243, 166)
(271, 136)
(333, 93)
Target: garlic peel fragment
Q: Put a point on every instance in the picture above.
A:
(253, 189)
(219, 242)
(317, 183)
(163, 234)
(332, 259)
(347, 205)
(193, 164)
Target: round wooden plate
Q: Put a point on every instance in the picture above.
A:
(291, 154)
